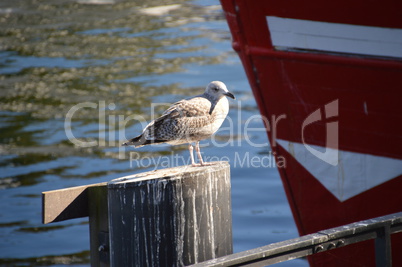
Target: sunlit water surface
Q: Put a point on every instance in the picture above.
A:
(115, 64)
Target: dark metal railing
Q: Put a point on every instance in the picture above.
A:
(379, 229)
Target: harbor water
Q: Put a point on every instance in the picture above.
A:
(78, 78)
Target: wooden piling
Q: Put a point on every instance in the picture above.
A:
(170, 217)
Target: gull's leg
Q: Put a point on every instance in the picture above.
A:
(190, 148)
(197, 149)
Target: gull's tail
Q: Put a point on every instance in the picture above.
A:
(137, 141)
(140, 141)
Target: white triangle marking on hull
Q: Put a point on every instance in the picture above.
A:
(354, 174)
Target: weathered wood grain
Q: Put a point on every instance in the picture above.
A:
(170, 217)
(65, 204)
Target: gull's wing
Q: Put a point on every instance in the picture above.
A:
(181, 119)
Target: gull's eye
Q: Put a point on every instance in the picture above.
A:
(216, 89)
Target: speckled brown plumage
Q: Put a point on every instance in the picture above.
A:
(189, 120)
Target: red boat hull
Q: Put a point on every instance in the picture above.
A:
(342, 102)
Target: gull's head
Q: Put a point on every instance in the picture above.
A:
(217, 90)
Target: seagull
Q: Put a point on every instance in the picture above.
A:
(188, 121)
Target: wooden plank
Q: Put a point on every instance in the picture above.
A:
(65, 204)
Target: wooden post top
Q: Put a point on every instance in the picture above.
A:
(170, 217)
(168, 173)
(70, 203)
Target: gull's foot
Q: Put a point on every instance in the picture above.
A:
(207, 163)
(196, 164)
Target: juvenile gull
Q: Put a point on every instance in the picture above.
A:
(188, 121)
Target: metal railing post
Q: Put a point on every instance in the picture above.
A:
(383, 257)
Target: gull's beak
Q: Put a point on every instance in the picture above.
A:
(229, 94)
